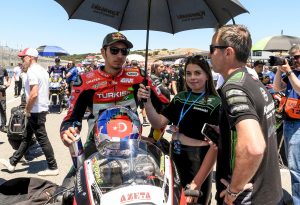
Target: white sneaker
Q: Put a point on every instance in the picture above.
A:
(48, 172)
(7, 164)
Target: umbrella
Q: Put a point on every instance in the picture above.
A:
(51, 51)
(136, 57)
(169, 16)
(276, 43)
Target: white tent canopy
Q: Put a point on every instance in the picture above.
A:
(178, 61)
(136, 57)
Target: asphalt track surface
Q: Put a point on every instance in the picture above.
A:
(61, 152)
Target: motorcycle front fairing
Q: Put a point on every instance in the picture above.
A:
(133, 173)
(55, 83)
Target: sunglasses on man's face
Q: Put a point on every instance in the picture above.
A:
(116, 50)
(22, 58)
(212, 48)
(296, 57)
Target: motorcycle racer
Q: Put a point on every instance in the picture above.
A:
(58, 69)
(100, 89)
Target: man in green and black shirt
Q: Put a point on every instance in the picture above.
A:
(247, 164)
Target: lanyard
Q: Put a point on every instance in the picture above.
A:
(182, 113)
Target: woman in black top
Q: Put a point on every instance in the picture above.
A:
(188, 111)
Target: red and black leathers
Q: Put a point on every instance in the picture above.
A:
(99, 90)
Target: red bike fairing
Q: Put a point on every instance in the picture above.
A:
(100, 90)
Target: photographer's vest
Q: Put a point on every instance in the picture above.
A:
(290, 104)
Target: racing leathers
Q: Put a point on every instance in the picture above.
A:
(58, 70)
(99, 90)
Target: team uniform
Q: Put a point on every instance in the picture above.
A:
(245, 97)
(100, 90)
(59, 70)
(190, 159)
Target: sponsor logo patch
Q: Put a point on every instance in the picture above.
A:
(239, 108)
(92, 80)
(90, 75)
(126, 80)
(101, 84)
(130, 197)
(237, 100)
(113, 94)
(235, 92)
(132, 74)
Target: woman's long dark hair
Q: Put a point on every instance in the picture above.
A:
(201, 61)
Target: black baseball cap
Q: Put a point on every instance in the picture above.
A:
(116, 37)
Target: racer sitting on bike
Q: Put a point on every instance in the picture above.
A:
(100, 89)
(58, 69)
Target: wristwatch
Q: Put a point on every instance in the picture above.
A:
(232, 194)
(288, 73)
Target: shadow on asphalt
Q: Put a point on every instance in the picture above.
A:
(16, 170)
(36, 166)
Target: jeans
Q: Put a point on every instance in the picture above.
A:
(18, 87)
(291, 132)
(35, 125)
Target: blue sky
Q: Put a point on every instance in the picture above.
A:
(31, 23)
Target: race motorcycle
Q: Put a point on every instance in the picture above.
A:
(57, 94)
(126, 169)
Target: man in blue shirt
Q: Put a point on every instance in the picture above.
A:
(71, 75)
(291, 126)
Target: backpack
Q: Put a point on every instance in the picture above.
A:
(17, 123)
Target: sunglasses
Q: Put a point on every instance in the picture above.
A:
(212, 48)
(116, 50)
(296, 57)
(22, 57)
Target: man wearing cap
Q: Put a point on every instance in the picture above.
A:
(58, 69)
(108, 86)
(4, 84)
(37, 92)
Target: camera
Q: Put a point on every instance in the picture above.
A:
(278, 61)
